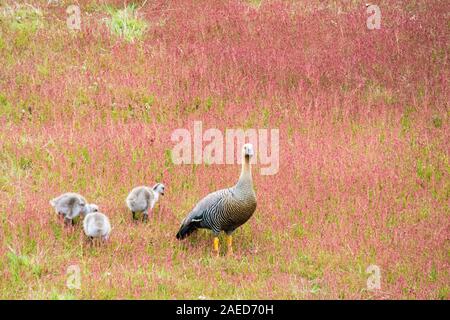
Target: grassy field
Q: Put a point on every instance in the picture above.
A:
(363, 117)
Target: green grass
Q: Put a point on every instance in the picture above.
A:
(25, 17)
(125, 23)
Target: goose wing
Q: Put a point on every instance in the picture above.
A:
(200, 216)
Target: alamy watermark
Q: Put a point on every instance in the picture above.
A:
(73, 273)
(225, 148)
(74, 19)
(374, 280)
(374, 20)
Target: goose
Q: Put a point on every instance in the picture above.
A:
(226, 209)
(143, 198)
(70, 205)
(96, 225)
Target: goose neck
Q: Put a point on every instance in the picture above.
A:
(245, 179)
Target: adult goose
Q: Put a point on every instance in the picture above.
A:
(226, 209)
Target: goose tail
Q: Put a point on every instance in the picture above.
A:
(186, 229)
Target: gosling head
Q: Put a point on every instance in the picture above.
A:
(91, 207)
(159, 188)
(248, 151)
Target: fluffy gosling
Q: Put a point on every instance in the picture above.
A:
(142, 199)
(96, 226)
(70, 205)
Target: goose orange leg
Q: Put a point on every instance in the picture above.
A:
(216, 246)
(230, 245)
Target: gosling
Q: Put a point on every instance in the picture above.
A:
(142, 199)
(70, 205)
(96, 226)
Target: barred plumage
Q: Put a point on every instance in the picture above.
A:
(226, 209)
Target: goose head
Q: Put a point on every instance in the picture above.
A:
(248, 151)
